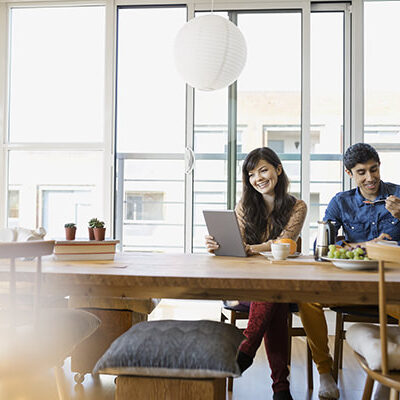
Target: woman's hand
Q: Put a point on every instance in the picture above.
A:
(211, 244)
(252, 249)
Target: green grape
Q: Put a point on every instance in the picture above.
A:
(359, 251)
(349, 254)
(366, 258)
(343, 256)
(356, 257)
(331, 255)
(332, 248)
(342, 250)
(336, 253)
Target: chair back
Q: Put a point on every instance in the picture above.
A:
(383, 253)
(13, 251)
(298, 244)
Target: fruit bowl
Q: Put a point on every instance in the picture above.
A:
(351, 264)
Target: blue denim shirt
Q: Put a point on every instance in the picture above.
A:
(362, 222)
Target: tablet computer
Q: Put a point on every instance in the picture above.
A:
(223, 226)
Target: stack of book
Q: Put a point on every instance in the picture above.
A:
(85, 249)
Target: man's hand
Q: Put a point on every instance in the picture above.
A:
(382, 236)
(393, 206)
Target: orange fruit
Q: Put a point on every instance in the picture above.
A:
(293, 244)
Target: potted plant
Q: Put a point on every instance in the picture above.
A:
(99, 230)
(91, 225)
(70, 231)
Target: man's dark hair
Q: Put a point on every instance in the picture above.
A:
(359, 153)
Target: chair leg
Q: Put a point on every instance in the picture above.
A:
(394, 394)
(342, 337)
(232, 322)
(369, 385)
(310, 380)
(338, 343)
(290, 322)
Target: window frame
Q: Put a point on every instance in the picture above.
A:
(105, 146)
(354, 92)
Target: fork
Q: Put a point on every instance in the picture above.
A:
(374, 202)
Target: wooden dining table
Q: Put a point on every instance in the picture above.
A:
(122, 291)
(204, 276)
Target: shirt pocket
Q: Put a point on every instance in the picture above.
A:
(389, 225)
(353, 227)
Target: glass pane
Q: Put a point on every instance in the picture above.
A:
(150, 121)
(54, 188)
(153, 205)
(57, 85)
(210, 146)
(382, 84)
(269, 90)
(151, 95)
(327, 122)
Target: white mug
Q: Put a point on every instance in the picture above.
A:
(280, 251)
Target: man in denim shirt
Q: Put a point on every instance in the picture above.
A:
(361, 222)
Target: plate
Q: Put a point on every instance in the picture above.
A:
(269, 254)
(352, 264)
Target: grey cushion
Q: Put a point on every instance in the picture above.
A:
(57, 333)
(199, 349)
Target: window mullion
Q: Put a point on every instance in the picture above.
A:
(306, 120)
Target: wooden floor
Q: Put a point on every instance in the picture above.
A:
(255, 384)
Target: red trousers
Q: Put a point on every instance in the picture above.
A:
(269, 320)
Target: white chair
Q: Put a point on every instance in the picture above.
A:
(33, 339)
(377, 349)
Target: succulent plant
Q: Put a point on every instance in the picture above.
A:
(92, 222)
(70, 225)
(99, 224)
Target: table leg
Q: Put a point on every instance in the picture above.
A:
(113, 324)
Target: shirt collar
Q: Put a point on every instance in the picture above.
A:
(383, 193)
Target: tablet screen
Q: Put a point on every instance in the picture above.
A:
(223, 226)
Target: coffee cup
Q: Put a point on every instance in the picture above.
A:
(280, 251)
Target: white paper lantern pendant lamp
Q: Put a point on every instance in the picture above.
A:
(210, 52)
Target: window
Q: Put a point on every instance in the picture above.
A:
(279, 145)
(55, 144)
(57, 90)
(13, 204)
(144, 206)
(382, 86)
(63, 204)
(150, 131)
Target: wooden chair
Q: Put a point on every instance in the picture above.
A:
(33, 339)
(385, 254)
(365, 313)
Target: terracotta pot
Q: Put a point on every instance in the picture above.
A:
(91, 233)
(70, 233)
(99, 233)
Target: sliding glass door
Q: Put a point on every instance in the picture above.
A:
(150, 127)
(290, 97)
